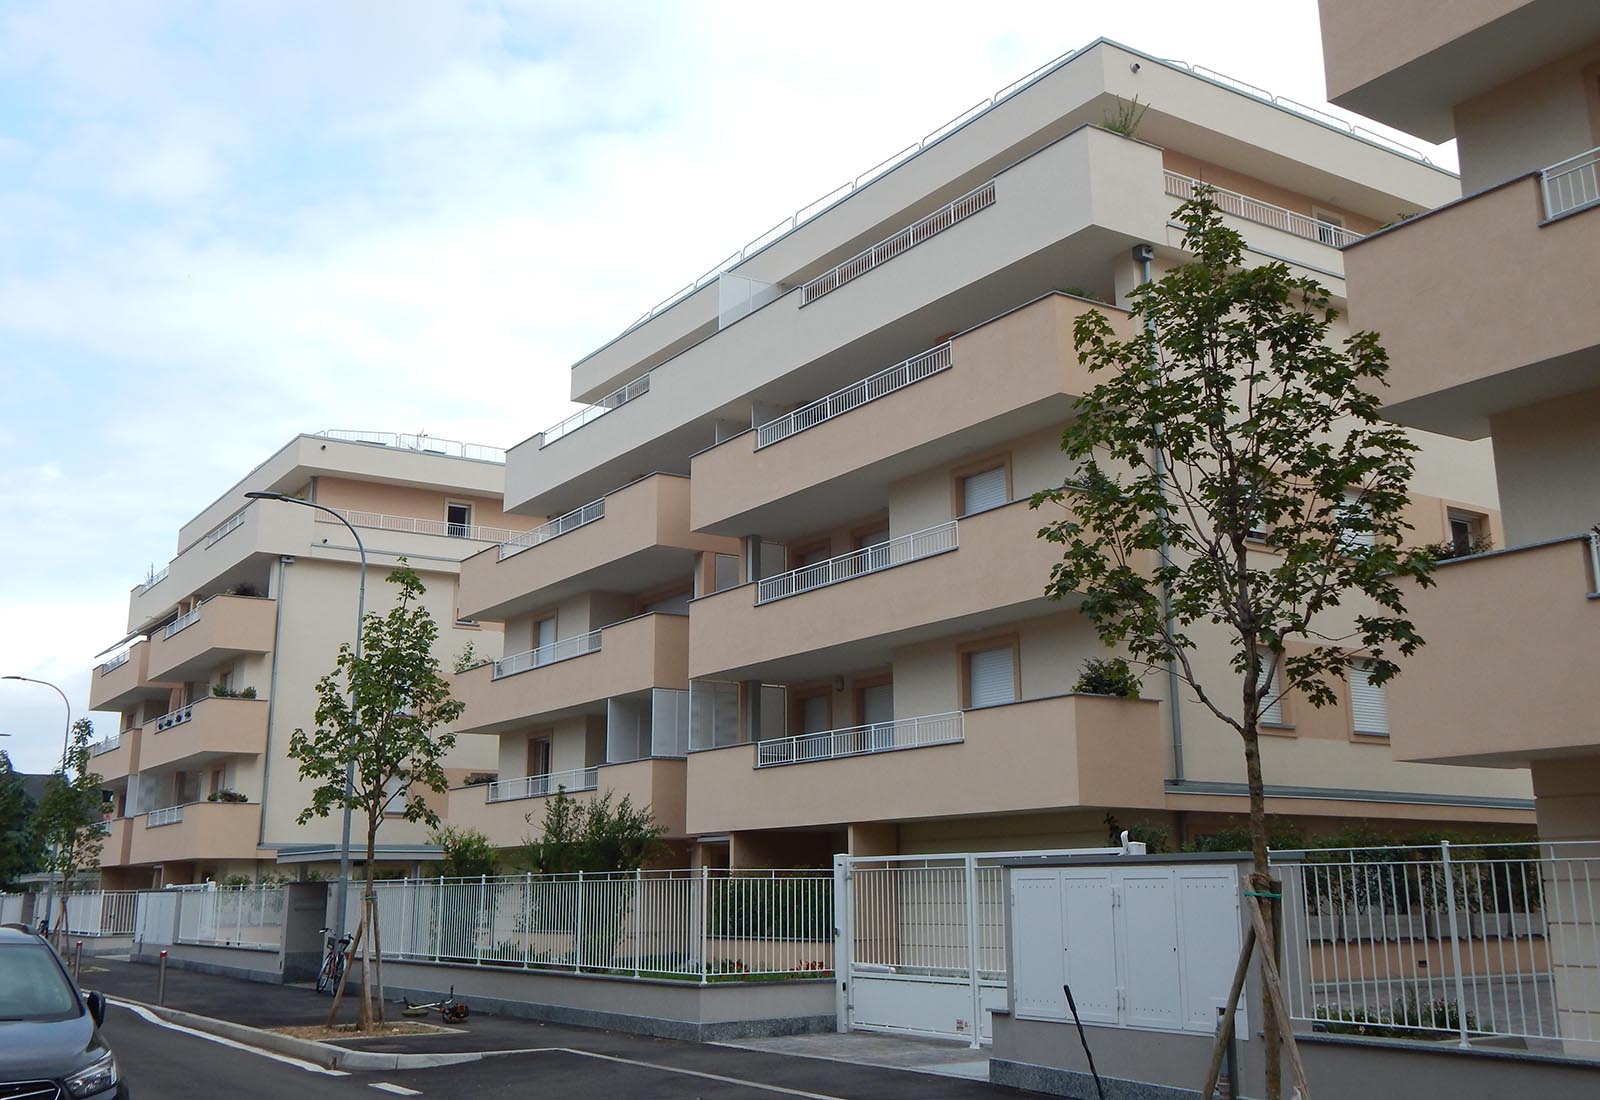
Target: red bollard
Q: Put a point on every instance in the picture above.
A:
(161, 981)
(77, 961)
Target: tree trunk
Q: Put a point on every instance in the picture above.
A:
(377, 937)
(1261, 883)
(366, 949)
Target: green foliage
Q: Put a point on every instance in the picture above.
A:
(467, 853)
(1125, 117)
(67, 821)
(235, 880)
(466, 659)
(592, 836)
(20, 852)
(1445, 551)
(762, 908)
(1103, 676)
(223, 691)
(1409, 1017)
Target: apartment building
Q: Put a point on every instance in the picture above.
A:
(1505, 346)
(226, 643)
(785, 585)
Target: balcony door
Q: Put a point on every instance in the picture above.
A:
(877, 715)
(539, 758)
(458, 520)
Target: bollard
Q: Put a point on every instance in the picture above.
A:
(161, 981)
(77, 962)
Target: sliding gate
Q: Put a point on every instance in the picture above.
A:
(921, 941)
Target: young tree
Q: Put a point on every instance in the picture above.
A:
(378, 715)
(19, 846)
(68, 821)
(1231, 418)
(593, 836)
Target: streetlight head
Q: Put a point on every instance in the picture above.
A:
(258, 495)
(13, 677)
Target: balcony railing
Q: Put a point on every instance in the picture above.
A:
(563, 650)
(1571, 184)
(613, 400)
(221, 530)
(115, 662)
(537, 786)
(859, 563)
(175, 717)
(413, 525)
(571, 521)
(170, 815)
(106, 744)
(423, 444)
(153, 578)
(980, 198)
(1264, 213)
(187, 619)
(906, 733)
(853, 396)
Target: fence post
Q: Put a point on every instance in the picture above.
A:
(843, 942)
(705, 920)
(1455, 943)
(577, 924)
(483, 918)
(439, 917)
(638, 917)
(971, 869)
(527, 919)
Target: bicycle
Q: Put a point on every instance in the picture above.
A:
(333, 962)
(451, 1010)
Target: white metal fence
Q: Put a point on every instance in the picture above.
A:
(222, 530)
(426, 444)
(1571, 184)
(699, 925)
(116, 662)
(858, 563)
(555, 528)
(187, 619)
(166, 815)
(413, 525)
(853, 396)
(1264, 213)
(561, 650)
(100, 912)
(613, 400)
(536, 786)
(904, 733)
(1445, 941)
(231, 916)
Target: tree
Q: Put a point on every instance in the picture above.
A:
(593, 836)
(68, 820)
(1232, 420)
(19, 845)
(377, 715)
(467, 853)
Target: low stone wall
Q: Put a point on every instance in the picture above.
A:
(264, 964)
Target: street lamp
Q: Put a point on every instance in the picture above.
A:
(343, 892)
(66, 738)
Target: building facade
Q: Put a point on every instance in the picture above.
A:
(785, 586)
(226, 645)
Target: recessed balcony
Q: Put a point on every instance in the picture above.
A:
(195, 830)
(502, 810)
(124, 680)
(203, 731)
(1045, 754)
(190, 646)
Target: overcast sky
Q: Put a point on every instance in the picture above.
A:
(225, 223)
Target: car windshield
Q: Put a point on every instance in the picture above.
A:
(33, 987)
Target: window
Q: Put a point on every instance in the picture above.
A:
(1466, 533)
(1272, 712)
(1328, 226)
(813, 712)
(219, 779)
(983, 490)
(544, 634)
(1355, 517)
(1369, 704)
(726, 572)
(394, 793)
(992, 676)
(458, 520)
(538, 756)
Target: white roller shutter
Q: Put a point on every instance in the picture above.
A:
(991, 677)
(983, 491)
(814, 714)
(1369, 705)
(1272, 715)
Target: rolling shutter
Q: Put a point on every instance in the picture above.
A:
(1369, 706)
(991, 677)
(1273, 713)
(983, 491)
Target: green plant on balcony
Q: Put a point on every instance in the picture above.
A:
(1107, 676)
(227, 794)
(223, 691)
(1125, 116)
(1447, 550)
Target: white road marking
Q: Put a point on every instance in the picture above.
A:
(758, 1085)
(150, 1017)
(398, 1090)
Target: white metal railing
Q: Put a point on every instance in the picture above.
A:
(182, 622)
(1445, 941)
(1264, 213)
(106, 744)
(858, 563)
(1571, 184)
(980, 198)
(699, 925)
(425, 444)
(167, 815)
(555, 528)
(562, 650)
(853, 396)
(101, 912)
(413, 525)
(115, 662)
(175, 717)
(537, 786)
(232, 916)
(221, 530)
(613, 400)
(153, 578)
(904, 733)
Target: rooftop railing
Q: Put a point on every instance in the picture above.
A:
(571, 521)
(980, 198)
(859, 563)
(906, 733)
(853, 396)
(1264, 213)
(537, 786)
(152, 578)
(413, 525)
(422, 444)
(613, 400)
(182, 622)
(562, 650)
(1572, 184)
(116, 662)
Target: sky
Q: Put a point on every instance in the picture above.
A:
(224, 223)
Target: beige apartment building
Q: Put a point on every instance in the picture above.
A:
(1504, 346)
(785, 586)
(226, 644)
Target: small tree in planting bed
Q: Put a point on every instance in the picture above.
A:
(68, 820)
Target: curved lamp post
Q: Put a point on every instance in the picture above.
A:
(66, 738)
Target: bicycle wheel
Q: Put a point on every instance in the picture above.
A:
(324, 977)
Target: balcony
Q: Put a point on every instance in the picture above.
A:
(415, 525)
(115, 850)
(1064, 752)
(194, 831)
(904, 733)
(1545, 695)
(574, 675)
(116, 757)
(1481, 343)
(125, 680)
(1010, 376)
(502, 811)
(1255, 210)
(203, 731)
(220, 629)
(633, 540)
(980, 571)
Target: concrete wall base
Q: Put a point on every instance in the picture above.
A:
(1058, 1081)
(204, 966)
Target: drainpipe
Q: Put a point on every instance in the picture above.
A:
(272, 691)
(1143, 254)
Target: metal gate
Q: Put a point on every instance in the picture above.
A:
(921, 947)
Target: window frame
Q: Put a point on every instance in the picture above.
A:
(960, 474)
(450, 525)
(1350, 705)
(964, 653)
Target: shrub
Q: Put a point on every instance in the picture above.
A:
(1103, 676)
(467, 853)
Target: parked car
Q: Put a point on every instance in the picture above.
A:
(50, 1042)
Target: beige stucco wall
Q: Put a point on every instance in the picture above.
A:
(1531, 122)
(1363, 39)
(1547, 456)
